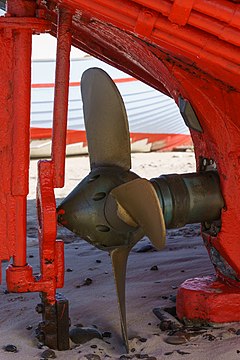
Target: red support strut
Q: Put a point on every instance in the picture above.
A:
(61, 95)
(21, 136)
(16, 40)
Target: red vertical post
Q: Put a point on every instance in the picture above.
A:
(21, 137)
(22, 47)
(60, 111)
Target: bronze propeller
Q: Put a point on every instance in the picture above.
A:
(112, 208)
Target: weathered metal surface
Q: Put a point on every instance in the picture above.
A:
(20, 278)
(208, 300)
(191, 56)
(83, 210)
(119, 257)
(189, 198)
(202, 42)
(111, 189)
(188, 49)
(189, 115)
(105, 114)
(16, 31)
(112, 208)
(53, 331)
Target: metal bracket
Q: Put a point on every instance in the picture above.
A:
(189, 115)
(25, 23)
(180, 11)
(145, 22)
(3, 5)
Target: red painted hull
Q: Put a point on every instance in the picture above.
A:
(186, 49)
(140, 142)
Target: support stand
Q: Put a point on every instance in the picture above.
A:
(53, 331)
(21, 21)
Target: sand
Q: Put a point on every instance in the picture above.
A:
(183, 257)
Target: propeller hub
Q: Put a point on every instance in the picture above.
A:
(92, 214)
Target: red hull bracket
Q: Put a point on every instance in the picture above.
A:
(208, 300)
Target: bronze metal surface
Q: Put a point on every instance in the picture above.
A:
(140, 201)
(119, 257)
(112, 208)
(105, 121)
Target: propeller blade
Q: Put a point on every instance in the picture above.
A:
(119, 257)
(139, 200)
(105, 121)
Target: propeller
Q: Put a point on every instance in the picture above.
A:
(105, 121)
(112, 208)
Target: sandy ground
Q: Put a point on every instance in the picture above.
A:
(96, 304)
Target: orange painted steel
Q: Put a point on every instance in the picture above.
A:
(188, 49)
(20, 277)
(21, 136)
(215, 301)
(199, 43)
(15, 41)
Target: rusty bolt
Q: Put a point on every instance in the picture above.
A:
(41, 337)
(42, 325)
(39, 308)
(204, 162)
(148, 14)
(41, 13)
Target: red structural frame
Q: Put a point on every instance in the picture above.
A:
(187, 48)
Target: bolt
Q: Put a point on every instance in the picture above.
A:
(102, 228)
(39, 308)
(148, 14)
(41, 337)
(93, 178)
(42, 325)
(99, 196)
(204, 162)
(41, 13)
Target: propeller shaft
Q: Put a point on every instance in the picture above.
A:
(189, 198)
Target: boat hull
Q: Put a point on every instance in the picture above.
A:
(155, 122)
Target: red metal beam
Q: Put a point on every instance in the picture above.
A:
(205, 40)
(15, 140)
(22, 47)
